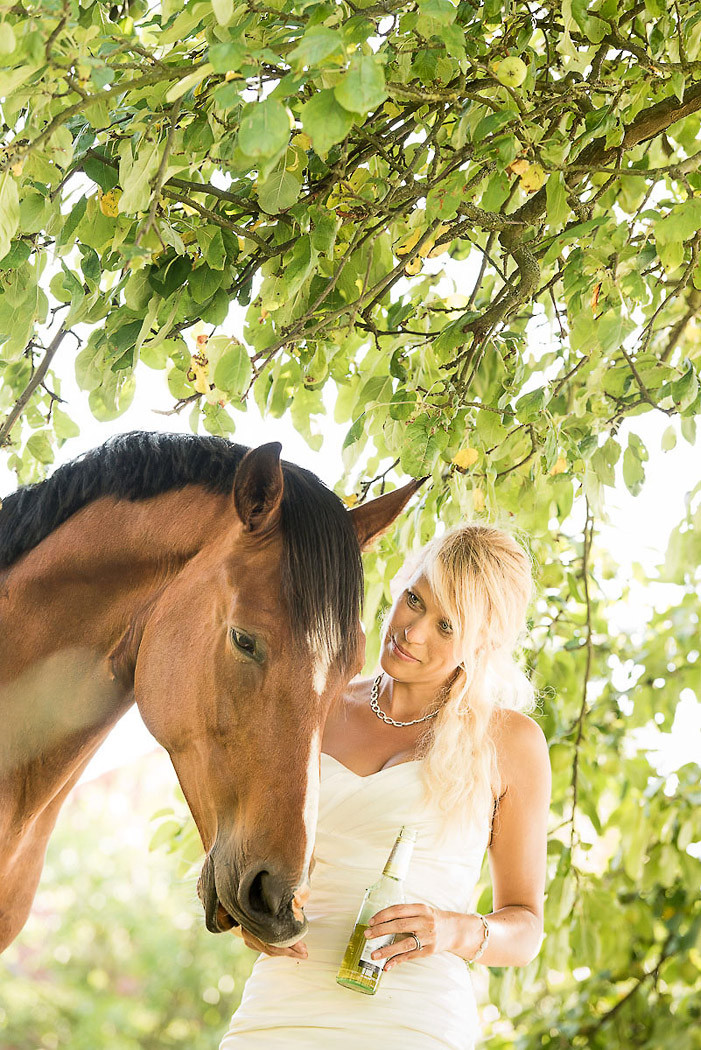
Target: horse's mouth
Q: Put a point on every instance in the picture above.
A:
(222, 920)
(216, 918)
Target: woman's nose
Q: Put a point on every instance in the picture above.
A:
(413, 632)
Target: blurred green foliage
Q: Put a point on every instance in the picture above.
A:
(115, 954)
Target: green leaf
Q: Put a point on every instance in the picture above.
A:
(529, 406)
(8, 41)
(490, 428)
(135, 175)
(556, 199)
(633, 472)
(421, 448)
(305, 404)
(103, 174)
(9, 212)
(223, 11)
(102, 76)
(265, 128)
(681, 223)
(226, 58)
(325, 226)
(19, 253)
(188, 83)
(351, 443)
(170, 274)
(613, 328)
(279, 191)
(362, 89)
(318, 43)
(402, 404)
(72, 219)
(166, 832)
(203, 282)
(298, 266)
(442, 11)
(492, 123)
(39, 445)
(354, 432)
(216, 420)
(496, 192)
(325, 121)
(233, 371)
(669, 439)
(90, 263)
(113, 398)
(604, 461)
(684, 390)
(453, 37)
(216, 310)
(64, 426)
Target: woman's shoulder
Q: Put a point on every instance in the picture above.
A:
(511, 723)
(520, 742)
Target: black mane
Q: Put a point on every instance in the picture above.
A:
(322, 569)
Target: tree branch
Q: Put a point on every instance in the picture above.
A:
(34, 382)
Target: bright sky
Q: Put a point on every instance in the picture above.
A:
(637, 531)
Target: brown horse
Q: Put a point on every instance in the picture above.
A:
(220, 588)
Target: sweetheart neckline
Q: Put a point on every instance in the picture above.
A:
(368, 776)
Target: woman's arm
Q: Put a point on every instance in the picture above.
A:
(517, 853)
(517, 862)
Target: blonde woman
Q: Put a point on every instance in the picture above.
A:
(437, 739)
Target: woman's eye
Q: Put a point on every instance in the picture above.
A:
(411, 597)
(244, 642)
(445, 627)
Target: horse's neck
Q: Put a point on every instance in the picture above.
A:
(80, 587)
(63, 607)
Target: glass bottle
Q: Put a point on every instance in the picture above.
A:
(358, 970)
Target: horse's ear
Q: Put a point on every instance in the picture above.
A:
(372, 519)
(258, 486)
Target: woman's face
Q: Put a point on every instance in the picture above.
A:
(418, 643)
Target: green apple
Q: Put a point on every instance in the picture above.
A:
(511, 72)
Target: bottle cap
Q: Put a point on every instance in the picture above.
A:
(408, 832)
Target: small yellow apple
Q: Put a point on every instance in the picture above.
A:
(511, 72)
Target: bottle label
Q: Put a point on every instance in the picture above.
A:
(372, 944)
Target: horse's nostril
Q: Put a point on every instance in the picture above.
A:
(265, 894)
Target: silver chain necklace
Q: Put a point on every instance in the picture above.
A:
(385, 718)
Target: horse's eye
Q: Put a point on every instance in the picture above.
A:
(244, 642)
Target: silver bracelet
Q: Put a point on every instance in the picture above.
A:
(480, 951)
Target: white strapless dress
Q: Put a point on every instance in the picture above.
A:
(427, 1004)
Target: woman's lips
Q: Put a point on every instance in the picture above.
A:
(398, 651)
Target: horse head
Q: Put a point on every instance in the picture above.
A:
(237, 660)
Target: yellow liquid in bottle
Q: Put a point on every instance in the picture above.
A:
(361, 976)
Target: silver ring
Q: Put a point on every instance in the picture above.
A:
(419, 945)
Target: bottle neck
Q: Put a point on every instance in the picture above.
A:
(397, 864)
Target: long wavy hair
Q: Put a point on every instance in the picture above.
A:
(481, 578)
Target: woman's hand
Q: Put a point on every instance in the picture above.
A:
(435, 929)
(295, 951)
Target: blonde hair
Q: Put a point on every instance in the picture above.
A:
(481, 578)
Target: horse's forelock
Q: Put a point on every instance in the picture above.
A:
(322, 570)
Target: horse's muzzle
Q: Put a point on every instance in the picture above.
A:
(263, 903)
